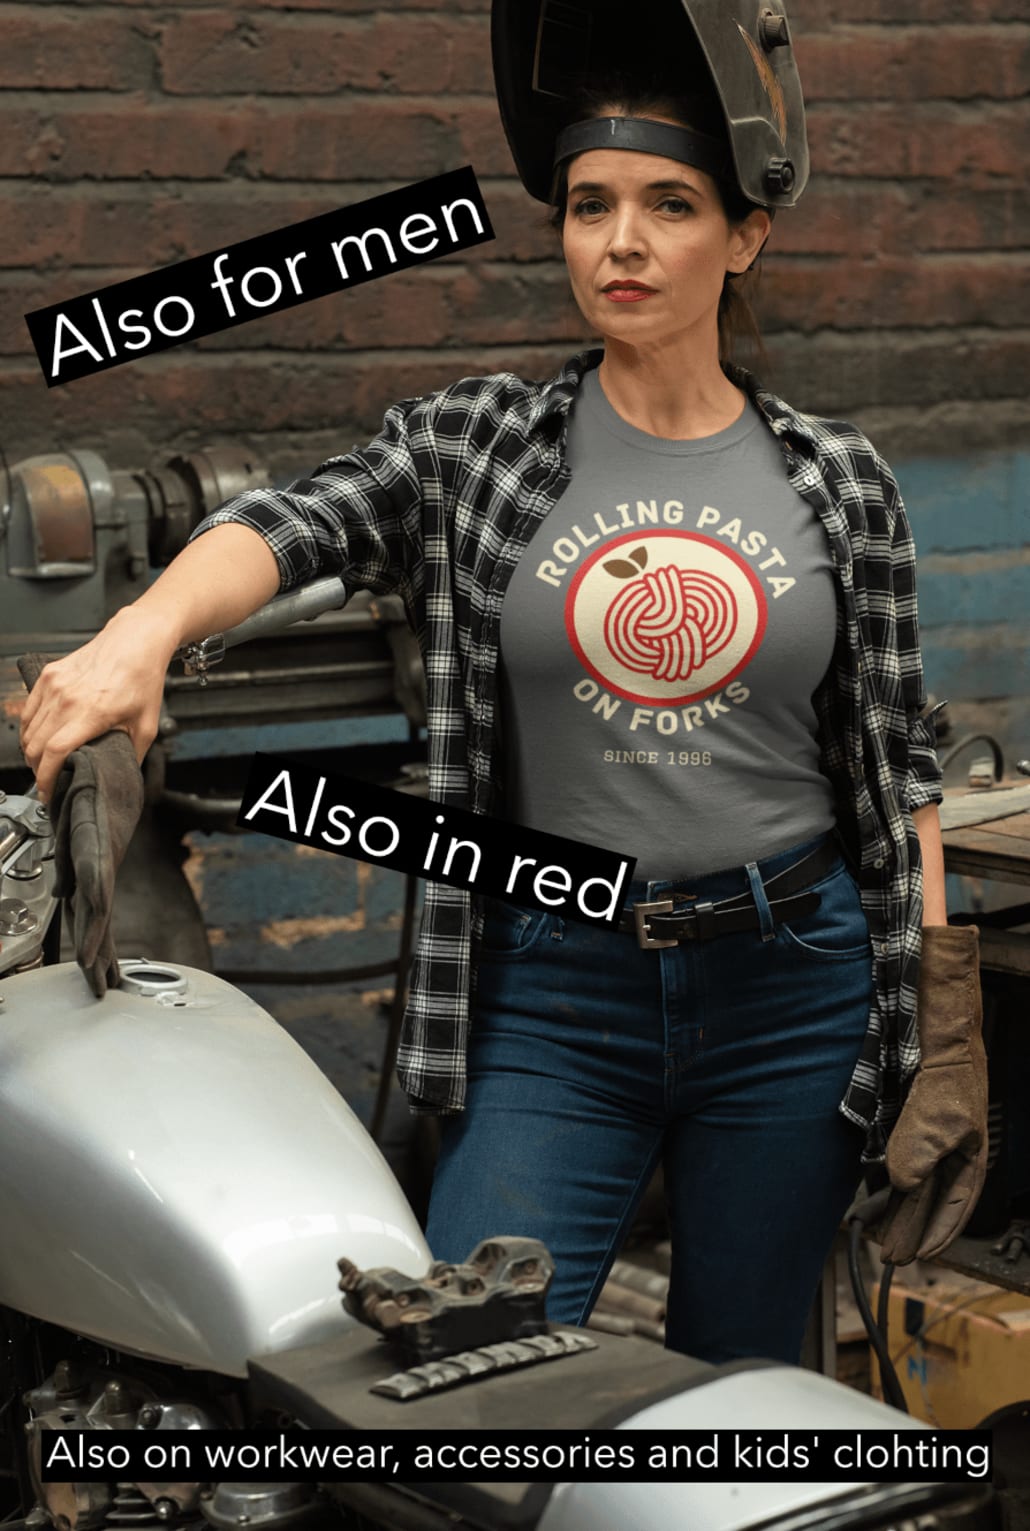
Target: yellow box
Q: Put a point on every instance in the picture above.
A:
(960, 1353)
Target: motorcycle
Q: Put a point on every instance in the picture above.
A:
(178, 1183)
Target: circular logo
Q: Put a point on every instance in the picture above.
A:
(665, 617)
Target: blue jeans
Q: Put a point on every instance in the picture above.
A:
(592, 1060)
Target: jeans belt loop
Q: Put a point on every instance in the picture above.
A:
(766, 923)
(704, 912)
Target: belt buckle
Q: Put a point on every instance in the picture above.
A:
(640, 911)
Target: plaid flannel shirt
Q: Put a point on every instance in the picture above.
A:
(441, 505)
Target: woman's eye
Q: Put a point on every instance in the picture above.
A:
(677, 204)
(588, 205)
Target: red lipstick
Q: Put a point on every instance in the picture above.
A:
(626, 291)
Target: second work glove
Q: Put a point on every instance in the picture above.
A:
(937, 1151)
(95, 809)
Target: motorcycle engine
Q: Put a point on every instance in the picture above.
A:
(91, 1393)
(74, 1398)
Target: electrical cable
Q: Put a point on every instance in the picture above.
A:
(883, 1303)
(861, 1214)
(999, 759)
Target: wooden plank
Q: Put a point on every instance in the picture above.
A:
(973, 1257)
(985, 864)
(985, 806)
(1016, 827)
(977, 852)
(1006, 951)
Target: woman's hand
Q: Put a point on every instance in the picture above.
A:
(117, 679)
(114, 681)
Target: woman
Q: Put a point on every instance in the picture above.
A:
(703, 603)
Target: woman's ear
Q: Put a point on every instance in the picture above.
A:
(747, 239)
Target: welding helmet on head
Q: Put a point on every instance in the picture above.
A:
(544, 51)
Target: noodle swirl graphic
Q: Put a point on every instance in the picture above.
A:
(671, 623)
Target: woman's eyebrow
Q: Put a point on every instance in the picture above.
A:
(673, 185)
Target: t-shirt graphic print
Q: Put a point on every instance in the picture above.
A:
(661, 639)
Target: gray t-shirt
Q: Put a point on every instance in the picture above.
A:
(661, 639)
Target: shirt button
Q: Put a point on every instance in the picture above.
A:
(884, 948)
(878, 862)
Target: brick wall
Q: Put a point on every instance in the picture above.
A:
(133, 135)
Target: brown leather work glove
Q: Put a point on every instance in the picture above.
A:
(937, 1152)
(94, 810)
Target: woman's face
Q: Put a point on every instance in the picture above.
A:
(643, 219)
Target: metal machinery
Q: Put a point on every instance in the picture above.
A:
(79, 540)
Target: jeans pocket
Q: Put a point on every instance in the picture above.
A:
(837, 931)
(512, 930)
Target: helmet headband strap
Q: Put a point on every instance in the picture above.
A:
(646, 137)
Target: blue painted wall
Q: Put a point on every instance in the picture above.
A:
(971, 522)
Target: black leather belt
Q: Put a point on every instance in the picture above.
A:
(660, 923)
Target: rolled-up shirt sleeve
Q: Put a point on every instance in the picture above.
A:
(923, 782)
(358, 515)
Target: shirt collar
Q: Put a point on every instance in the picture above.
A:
(556, 396)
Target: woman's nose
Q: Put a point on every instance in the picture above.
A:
(626, 236)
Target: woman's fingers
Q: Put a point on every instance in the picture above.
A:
(114, 681)
(31, 705)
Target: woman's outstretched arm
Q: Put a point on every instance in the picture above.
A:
(928, 827)
(117, 679)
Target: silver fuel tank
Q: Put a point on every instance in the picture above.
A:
(177, 1178)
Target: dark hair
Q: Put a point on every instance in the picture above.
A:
(702, 112)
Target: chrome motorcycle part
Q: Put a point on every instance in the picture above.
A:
(71, 1400)
(76, 1506)
(130, 1508)
(24, 822)
(170, 1501)
(260, 1506)
(141, 976)
(69, 1506)
(27, 901)
(117, 1407)
(210, 1175)
(77, 1397)
(16, 918)
(28, 865)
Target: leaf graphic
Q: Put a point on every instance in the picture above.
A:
(639, 556)
(621, 568)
